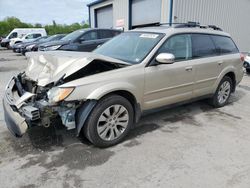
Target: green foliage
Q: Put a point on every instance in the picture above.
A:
(10, 23)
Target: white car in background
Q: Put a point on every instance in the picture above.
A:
(247, 62)
(28, 37)
(16, 34)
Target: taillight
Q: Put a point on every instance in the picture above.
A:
(242, 57)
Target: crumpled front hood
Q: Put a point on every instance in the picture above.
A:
(48, 67)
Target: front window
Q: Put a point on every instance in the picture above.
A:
(131, 47)
(92, 35)
(179, 45)
(13, 35)
(41, 39)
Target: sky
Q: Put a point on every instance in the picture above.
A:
(44, 11)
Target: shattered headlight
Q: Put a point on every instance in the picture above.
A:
(57, 94)
(50, 48)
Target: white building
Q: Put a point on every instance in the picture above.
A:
(233, 16)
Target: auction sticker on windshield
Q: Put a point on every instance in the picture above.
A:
(151, 36)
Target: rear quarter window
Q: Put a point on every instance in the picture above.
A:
(104, 34)
(115, 33)
(224, 45)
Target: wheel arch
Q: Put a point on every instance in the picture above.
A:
(230, 72)
(84, 111)
(233, 78)
(132, 99)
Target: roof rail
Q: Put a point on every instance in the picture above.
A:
(215, 27)
(191, 24)
(188, 24)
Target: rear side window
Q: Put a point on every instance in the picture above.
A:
(36, 35)
(115, 33)
(224, 45)
(202, 46)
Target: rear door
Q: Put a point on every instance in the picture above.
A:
(225, 48)
(206, 64)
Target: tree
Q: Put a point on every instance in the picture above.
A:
(10, 23)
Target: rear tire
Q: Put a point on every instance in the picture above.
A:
(248, 71)
(109, 121)
(223, 92)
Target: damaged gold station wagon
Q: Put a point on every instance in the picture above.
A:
(103, 94)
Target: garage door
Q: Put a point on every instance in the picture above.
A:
(146, 12)
(104, 17)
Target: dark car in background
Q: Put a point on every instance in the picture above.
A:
(34, 45)
(81, 40)
(17, 47)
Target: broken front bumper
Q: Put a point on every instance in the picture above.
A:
(14, 121)
(21, 114)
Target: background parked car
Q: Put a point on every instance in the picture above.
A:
(81, 40)
(1, 38)
(28, 37)
(18, 33)
(247, 62)
(17, 47)
(33, 46)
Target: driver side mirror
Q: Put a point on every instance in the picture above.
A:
(165, 58)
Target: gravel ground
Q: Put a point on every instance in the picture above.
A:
(192, 145)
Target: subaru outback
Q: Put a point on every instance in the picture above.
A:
(102, 94)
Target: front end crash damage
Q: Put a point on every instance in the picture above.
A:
(26, 101)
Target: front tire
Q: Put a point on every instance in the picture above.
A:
(248, 71)
(110, 121)
(223, 92)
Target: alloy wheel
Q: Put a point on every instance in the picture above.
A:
(112, 122)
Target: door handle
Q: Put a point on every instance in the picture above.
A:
(220, 62)
(189, 68)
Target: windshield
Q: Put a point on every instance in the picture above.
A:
(74, 35)
(131, 47)
(53, 38)
(40, 39)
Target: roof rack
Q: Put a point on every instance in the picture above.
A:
(191, 24)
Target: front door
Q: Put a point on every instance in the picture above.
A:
(88, 42)
(170, 83)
